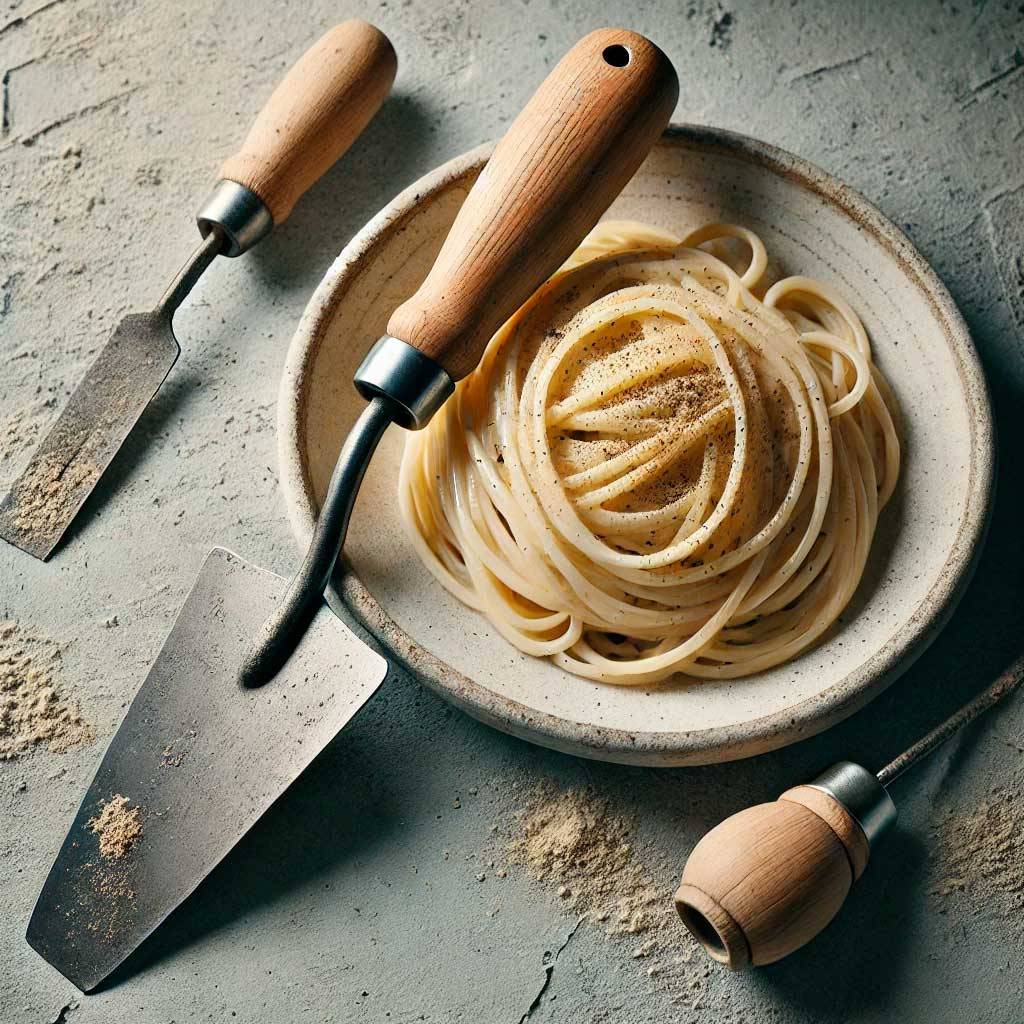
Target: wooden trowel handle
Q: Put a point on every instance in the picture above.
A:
(560, 165)
(314, 115)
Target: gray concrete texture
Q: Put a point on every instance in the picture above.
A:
(357, 898)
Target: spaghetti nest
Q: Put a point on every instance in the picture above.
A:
(662, 465)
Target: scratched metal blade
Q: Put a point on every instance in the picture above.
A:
(104, 407)
(200, 759)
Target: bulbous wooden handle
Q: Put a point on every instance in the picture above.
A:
(565, 158)
(765, 881)
(319, 109)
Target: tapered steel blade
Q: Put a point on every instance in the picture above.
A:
(104, 407)
(201, 759)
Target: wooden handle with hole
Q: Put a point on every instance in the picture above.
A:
(765, 881)
(564, 159)
(314, 115)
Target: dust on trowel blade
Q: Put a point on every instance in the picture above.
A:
(47, 494)
(118, 826)
(112, 912)
(34, 709)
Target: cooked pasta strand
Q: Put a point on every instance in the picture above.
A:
(663, 464)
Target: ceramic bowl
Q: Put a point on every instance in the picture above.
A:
(928, 536)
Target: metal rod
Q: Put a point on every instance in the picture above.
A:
(207, 251)
(284, 628)
(1005, 684)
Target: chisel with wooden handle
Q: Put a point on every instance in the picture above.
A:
(768, 879)
(312, 118)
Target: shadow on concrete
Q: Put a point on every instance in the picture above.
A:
(169, 402)
(388, 156)
(859, 960)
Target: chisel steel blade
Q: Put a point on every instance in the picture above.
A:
(107, 403)
(199, 759)
(124, 377)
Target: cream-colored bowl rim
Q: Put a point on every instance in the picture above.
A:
(698, 746)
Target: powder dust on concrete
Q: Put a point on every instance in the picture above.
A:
(980, 855)
(575, 843)
(118, 826)
(33, 708)
(19, 430)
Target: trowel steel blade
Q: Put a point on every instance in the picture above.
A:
(104, 407)
(201, 759)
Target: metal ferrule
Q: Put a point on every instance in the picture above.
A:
(863, 796)
(413, 383)
(239, 212)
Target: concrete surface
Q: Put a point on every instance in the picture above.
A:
(357, 898)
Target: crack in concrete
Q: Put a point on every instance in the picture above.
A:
(549, 969)
(22, 18)
(5, 82)
(978, 89)
(7, 292)
(836, 65)
(1009, 190)
(92, 108)
(5, 88)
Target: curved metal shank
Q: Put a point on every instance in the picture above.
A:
(281, 632)
(402, 386)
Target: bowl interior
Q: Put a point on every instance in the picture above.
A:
(922, 553)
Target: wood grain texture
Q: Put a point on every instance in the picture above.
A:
(564, 159)
(839, 819)
(777, 872)
(319, 109)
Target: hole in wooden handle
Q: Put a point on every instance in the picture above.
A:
(617, 55)
(713, 927)
(704, 932)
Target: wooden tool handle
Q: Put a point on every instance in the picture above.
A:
(565, 158)
(767, 880)
(314, 115)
